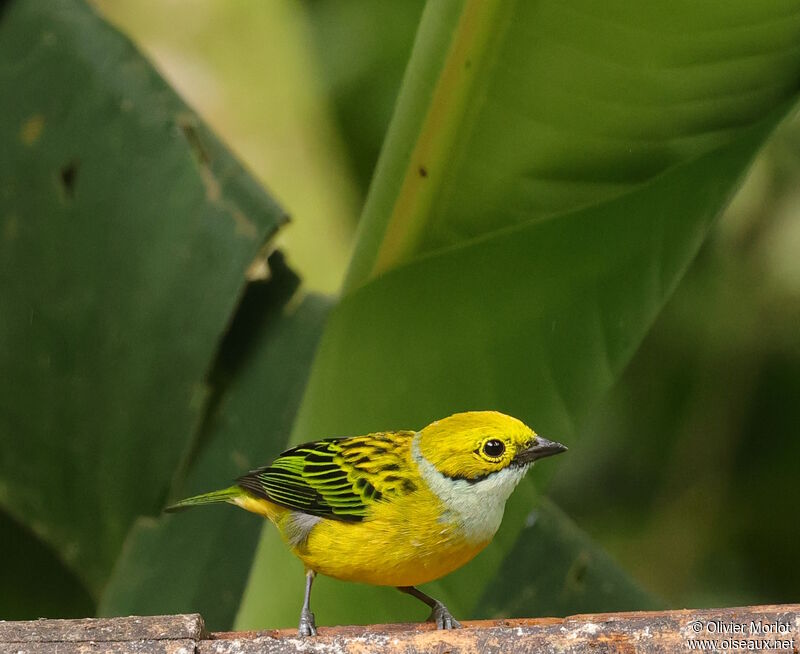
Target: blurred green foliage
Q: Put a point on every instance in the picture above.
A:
(362, 50)
(691, 462)
(685, 473)
(35, 582)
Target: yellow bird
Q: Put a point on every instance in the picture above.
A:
(395, 508)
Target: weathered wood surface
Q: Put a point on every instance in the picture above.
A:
(755, 628)
(656, 632)
(167, 634)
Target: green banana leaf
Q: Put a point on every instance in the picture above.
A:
(515, 111)
(514, 259)
(555, 569)
(26, 562)
(198, 561)
(126, 229)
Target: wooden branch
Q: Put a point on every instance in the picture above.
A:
(752, 628)
(160, 634)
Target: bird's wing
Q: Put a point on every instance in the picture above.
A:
(339, 478)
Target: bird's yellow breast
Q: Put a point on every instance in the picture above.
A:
(402, 543)
(410, 541)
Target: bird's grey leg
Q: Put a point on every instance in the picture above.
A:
(440, 615)
(307, 625)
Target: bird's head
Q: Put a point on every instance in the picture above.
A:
(474, 445)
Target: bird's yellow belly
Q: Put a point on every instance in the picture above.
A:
(402, 543)
(387, 554)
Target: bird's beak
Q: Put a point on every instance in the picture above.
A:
(540, 448)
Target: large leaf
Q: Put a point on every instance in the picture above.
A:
(35, 581)
(126, 232)
(538, 318)
(511, 113)
(198, 561)
(465, 328)
(248, 68)
(555, 569)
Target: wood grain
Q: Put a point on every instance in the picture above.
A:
(773, 628)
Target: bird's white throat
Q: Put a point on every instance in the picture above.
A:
(478, 506)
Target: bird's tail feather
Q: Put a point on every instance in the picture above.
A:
(215, 497)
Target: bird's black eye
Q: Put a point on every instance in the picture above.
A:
(494, 448)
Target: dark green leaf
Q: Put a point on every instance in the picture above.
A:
(198, 561)
(555, 569)
(35, 583)
(125, 232)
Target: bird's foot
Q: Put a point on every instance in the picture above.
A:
(307, 625)
(442, 617)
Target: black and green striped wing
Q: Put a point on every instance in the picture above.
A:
(338, 478)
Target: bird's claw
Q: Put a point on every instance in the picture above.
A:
(442, 618)
(308, 626)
